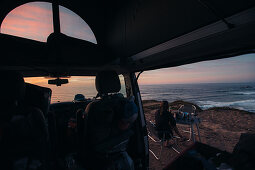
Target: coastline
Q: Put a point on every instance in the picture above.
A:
(220, 127)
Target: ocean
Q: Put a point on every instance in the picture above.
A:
(235, 95)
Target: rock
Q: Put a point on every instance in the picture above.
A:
(244, 152)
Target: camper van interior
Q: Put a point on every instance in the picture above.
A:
(40, 129)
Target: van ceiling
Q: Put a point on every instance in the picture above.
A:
(135, 35)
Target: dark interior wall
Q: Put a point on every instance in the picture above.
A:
(123, 29)
(144, 24)
(126, 28)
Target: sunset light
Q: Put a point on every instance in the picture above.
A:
(140, 84)
(34, 21)
(229, 70)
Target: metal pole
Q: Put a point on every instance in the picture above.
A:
(56, 19)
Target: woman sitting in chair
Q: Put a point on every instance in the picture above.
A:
(165, 123)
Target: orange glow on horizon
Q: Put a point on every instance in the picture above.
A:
(36, 80)
(73, 81)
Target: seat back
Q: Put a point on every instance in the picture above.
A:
(107, 124)
(53, 135)
(111, 114)
(102, 119)
(39, 97)
(107, 142)
(189, 108)
(25, 134)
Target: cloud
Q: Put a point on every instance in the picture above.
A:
(73, 25)
(32, 20)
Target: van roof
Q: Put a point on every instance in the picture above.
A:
(135, 35)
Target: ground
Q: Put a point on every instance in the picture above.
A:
(219, 127)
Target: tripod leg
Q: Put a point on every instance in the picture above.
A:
(192, 133)
(198, 131)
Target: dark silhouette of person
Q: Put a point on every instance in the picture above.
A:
(165, 122)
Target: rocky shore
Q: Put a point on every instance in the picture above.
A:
(220, 127)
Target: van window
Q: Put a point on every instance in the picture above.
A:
(34, 21)
(77, 85)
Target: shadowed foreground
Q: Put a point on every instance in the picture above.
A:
(219, 127)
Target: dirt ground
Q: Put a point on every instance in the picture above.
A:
(219, 127)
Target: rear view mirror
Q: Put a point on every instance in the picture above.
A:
(58, 81)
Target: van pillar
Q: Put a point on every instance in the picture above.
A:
(142, 145)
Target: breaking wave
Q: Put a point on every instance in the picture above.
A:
(235, 104)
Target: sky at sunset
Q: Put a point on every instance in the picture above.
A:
(34, 21)
(229, 70)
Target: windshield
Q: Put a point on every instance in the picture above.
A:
(77, 85)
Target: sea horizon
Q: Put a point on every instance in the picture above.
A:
(238, 95)
(198, 83)
(206, 95)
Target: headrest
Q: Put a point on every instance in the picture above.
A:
(39, 97)
(12, 86)
(107, 82)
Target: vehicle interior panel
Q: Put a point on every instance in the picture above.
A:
(38, 97)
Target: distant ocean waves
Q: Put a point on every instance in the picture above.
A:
(236, 95)
(242, 105)
(244, 93)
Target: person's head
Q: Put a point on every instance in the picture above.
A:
(163, 107)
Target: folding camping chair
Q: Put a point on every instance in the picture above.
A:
(153, 135)
(187, 115)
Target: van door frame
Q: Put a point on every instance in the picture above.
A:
(140, 150)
